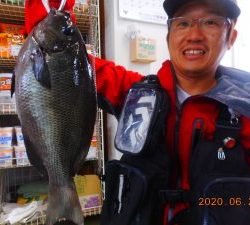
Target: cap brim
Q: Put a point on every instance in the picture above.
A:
(232, 10)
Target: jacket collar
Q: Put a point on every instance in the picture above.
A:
(232, 89)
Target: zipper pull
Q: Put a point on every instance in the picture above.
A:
(120, 192)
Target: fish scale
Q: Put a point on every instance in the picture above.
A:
(56, 104)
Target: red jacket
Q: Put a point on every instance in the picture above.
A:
(113, 82)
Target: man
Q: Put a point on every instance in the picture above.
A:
(200, 32)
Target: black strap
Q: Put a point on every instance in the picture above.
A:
(174, 196)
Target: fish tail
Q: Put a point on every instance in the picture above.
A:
(64, 206)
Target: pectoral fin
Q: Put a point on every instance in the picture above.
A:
(40, 68)
(78, 66)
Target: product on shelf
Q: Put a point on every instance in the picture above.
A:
(10, 44)
(11, 39)
(13, 2)
(32, 191)
(11, 28)
(13, 213)
(21, 156)
(7, 104)
(82, 2)
(93, 153)
(6, 156)
(82, 5)
(6, 149)
(89, 191)
(6, 134)
(4, 46)
(19, 136)
(5, 82)
(20, 150)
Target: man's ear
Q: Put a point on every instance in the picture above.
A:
(232, 37)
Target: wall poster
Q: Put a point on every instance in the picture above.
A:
(143, 10)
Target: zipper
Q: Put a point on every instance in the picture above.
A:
(176, 158)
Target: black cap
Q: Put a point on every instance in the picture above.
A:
(231, 6)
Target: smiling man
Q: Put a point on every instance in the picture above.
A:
(199, 35)
(208, 125)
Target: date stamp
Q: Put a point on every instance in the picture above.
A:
(217, 201)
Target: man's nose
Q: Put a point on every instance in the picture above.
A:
(195, 31)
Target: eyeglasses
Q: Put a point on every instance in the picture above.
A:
(213, 24)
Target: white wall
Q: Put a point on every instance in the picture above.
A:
(117, 50)
(117, 40)
(238, 56)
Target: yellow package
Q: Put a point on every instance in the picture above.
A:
(87, 185)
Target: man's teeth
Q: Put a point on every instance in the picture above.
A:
(194, 52)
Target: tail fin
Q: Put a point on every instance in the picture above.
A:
(64, 205)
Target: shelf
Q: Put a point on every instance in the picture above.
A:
(15, 14)
(41, 220)
(92, 211)
(7, 108)
(85, 16)
(7, 64)
(8, 163)
(12, 11)
(38, 221)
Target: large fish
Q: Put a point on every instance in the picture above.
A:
(56, 104)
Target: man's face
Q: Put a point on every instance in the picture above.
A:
(195, 51)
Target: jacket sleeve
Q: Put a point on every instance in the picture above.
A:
(113, 83)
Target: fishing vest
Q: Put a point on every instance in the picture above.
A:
(137, 187)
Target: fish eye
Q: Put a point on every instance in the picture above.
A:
(66, 15)
(68, 30)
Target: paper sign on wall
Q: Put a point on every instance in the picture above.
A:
(143, 10)
(143, 50)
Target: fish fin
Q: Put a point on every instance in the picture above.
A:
(64, 205)
(40, 68)
(12, 90)
(80, 155)
(79, 164)
(33, 157)
(79, 65)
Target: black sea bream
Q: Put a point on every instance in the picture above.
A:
(56, 104)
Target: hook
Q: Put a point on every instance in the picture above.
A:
(46, 5)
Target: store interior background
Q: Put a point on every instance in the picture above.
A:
(118, 32)
(117, 49)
